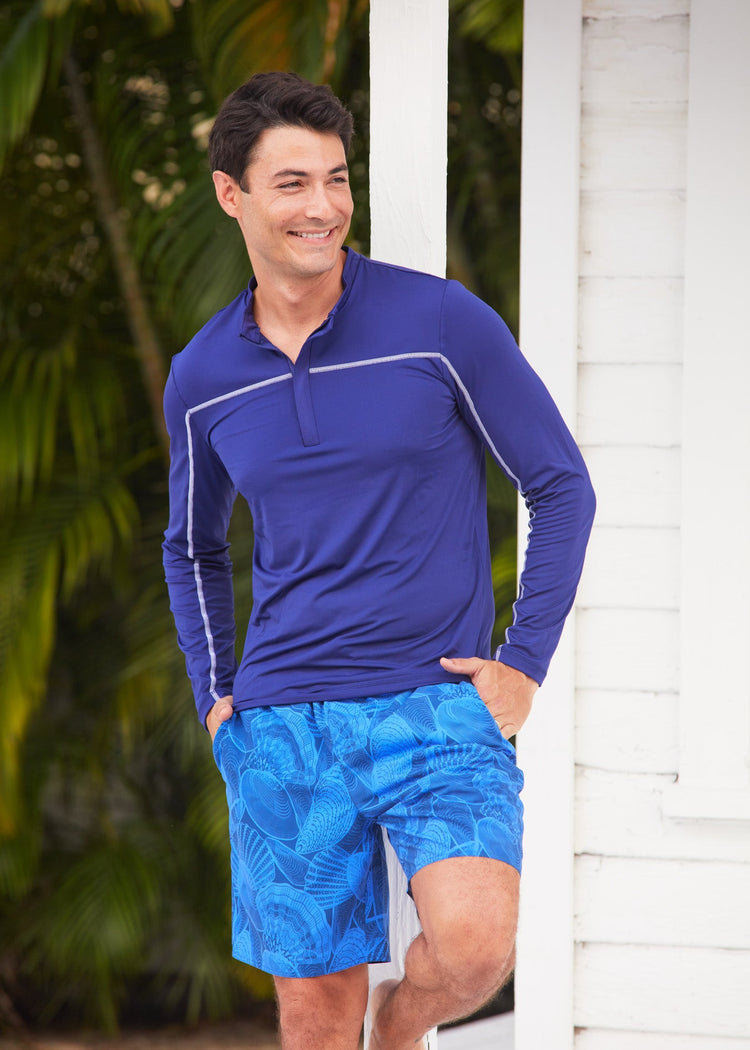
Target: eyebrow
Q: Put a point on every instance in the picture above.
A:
(287, 172)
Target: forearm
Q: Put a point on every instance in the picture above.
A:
(201, 599)
(196, 555)
(510, 409)
(559, 527)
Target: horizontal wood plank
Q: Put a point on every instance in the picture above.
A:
(697, 991)
(634, 8)
(631, 568)
(630, 319)
(636, 404)
(631, 60)
(697, 904)
(632, 233)
(635, 486)
(605, 1039)
(644, 148)
(627, 649)
(628, 732)
(621, 815)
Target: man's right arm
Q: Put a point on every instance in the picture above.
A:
(196, 559)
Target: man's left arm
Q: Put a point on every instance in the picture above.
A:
(505, 402)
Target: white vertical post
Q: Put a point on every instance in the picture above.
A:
(408, 132)
(714, 778)
(408, 205)
(549, 331)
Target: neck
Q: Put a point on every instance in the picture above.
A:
(296, 305)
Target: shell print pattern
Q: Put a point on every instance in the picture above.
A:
(285, 745)
(252, 857)
(311, 785)
(331, 815)
(292, 867)
(268, 800)
(393, 742)
(294, 924)
(329, 872)
(230, 756)
(351, 950)
(349, 727)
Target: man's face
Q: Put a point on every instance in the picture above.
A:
(296, 212)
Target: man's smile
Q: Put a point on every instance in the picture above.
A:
(312, 236)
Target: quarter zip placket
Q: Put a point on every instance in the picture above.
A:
(300, 369)
(302, 394)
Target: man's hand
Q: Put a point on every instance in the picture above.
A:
(220, 712)
(506, 692)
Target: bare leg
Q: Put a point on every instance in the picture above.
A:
(322, 1013)
(468, 907)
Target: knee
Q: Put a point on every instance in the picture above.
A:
(310, 1006)
(475, 968)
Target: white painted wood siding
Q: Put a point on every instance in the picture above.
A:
(661, 892)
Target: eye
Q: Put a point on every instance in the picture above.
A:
(290, 185)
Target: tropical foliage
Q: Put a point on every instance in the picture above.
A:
(113, 861)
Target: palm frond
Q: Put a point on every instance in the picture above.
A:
(237, 39)
(27, 631)
(159, 14)
(47, 554)
(23, 67)
(497, 23)
(29, 55)
(91, 927)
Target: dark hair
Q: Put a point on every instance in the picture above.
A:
(272, 100)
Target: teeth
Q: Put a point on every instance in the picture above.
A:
(314, 236)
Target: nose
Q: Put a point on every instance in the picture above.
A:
(318, 204)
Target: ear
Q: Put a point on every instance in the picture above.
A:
(228, 193)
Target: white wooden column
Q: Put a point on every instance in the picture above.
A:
(408, 204)
(409, 132)
(549, 337)
(714, 762)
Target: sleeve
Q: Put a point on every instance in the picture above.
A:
(505, 402)
(197, 567)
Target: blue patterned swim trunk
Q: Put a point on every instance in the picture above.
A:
(310, 785)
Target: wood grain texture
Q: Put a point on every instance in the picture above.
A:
(605, 1039)
(628, 320)
(636, 404)
(631, 568)
(627, 732)
(696, 904)
(632, 233)
(641, 149)
(696, 991)
(620, 814)
(632, 649)
(635, 486)
(631, 60)
(606, 9)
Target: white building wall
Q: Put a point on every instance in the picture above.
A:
(662, 893)
(657, 655)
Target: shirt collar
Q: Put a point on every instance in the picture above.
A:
(250, 329)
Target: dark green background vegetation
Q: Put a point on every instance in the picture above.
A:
(113, 858)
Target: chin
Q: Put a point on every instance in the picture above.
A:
(317, 267)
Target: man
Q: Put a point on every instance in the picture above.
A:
(351, 403)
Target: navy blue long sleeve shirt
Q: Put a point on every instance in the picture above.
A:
(363, 467)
